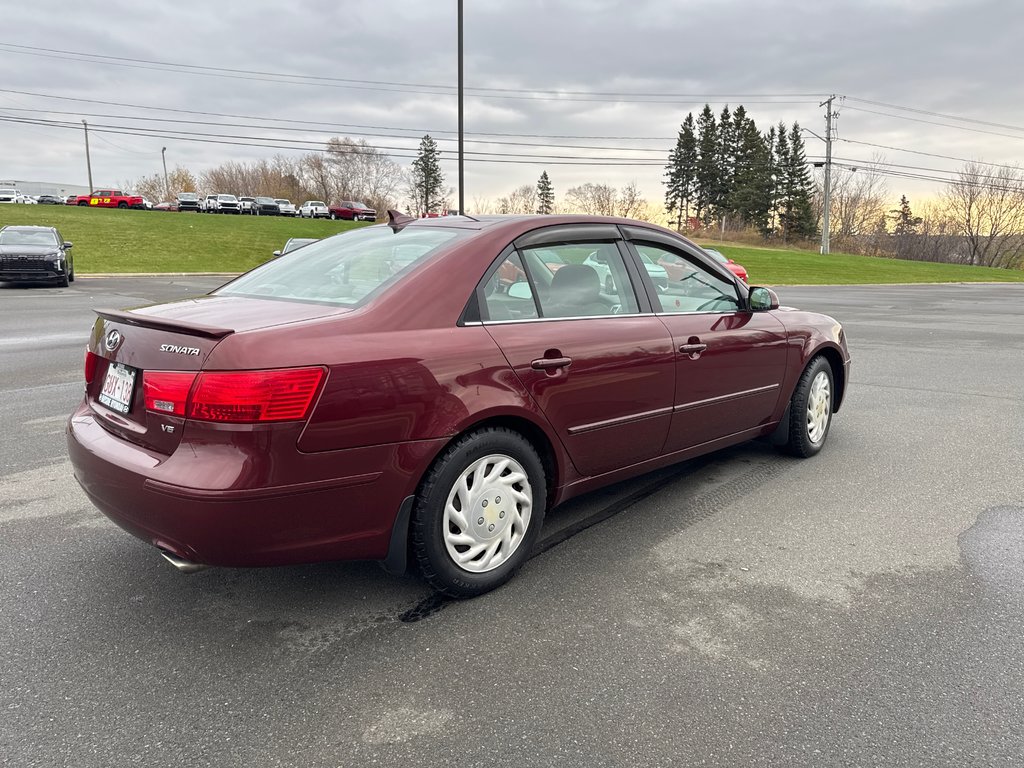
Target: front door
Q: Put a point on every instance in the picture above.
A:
(730, 362)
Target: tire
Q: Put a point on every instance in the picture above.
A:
(334, 217)
(122, 204)
(505, 466)
(810, 410)
(82, 203)
(63, 282)
(71, 273)
(609, 285)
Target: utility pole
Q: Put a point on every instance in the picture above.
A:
(826, 214)
(167, 187)
(88, 162)
(462, 158)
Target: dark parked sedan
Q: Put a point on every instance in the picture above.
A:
(50, 200)
(327, 405)
(35, 254)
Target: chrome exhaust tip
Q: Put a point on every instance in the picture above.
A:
(184, 566)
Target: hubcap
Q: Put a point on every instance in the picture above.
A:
(487, 513)
(819, 406)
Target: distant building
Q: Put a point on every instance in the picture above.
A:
(36, 188)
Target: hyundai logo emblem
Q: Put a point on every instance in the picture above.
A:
(113, 340)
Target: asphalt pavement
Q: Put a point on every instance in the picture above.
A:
(860, 608)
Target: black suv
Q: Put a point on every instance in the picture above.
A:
(35, 253)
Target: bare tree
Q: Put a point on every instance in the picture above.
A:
(858, 201)
(986, 206)
(520, 200)
(592, 199)
(363, 173)
(318, 176)
(483, 206)
(632, 204)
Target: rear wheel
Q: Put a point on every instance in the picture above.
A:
(810, 410)
(334, 216)
(122, 204)
(479, 512)
(82, 202)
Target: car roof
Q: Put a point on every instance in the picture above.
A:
(28, 228)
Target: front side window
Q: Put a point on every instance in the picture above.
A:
(684, 285)
(344, 269)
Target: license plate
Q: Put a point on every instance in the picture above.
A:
(118, 387)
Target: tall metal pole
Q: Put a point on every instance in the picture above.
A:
(462, 157)
(88, 161)
(827, 213)
(167, 187)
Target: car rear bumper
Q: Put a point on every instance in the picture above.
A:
(339, 505)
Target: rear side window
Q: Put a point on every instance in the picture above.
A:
(507, 292)
(580, 280)
(344, 269)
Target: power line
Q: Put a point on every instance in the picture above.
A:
(381, 85)
(932, 122)
(929, 154)
(935, 114)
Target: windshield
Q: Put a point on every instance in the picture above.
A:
(27, 237)
(344, 269)
(188, 196)
(282, 202)
(264, 200)
(227, 198)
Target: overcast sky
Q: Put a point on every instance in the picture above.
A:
(660, 59)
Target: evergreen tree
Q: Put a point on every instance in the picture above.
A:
(680, 173)
(802, 222)
(751, 193)
(727, 147)
(906, 222)
(783, 188)
(707, 175)
(427, 179)
(545, 195)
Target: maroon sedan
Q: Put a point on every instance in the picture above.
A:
(322, 407)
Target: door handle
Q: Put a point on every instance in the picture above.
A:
(550, 363)
(693, 349)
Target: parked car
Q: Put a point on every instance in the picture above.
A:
(737, 269)
(443, 417)
(599, 262)
(265, 206)
(350, 209)
(286, 207)
(189, 201)
(70, 199)
(50, 200)
(9, 195)
(226, 204)
(147, 204)
(26, 200)
(210, 204)
(110, 198)
(247, 205)
(35, 254)
(294, 243)
(165, 206)
(314, 209)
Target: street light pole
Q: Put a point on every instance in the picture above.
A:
(462, 157)
(167, 187)
(88, 161)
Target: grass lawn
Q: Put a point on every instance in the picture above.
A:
(775, 266)
(111, 240)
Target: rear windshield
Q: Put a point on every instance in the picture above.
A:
(345, 269)
(23, 237)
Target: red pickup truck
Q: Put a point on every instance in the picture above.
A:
(109, 198)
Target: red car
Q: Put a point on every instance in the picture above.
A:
(324, 407)
(109, 198)
(737, 269)
(350, 209)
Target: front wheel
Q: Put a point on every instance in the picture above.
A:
(810, 410)
(334, 216)
(479, 512)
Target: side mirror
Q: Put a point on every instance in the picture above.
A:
(276, 254)
(762, 300)
(520, 290)
(68, 245)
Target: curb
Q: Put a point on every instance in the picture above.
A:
(94, 275)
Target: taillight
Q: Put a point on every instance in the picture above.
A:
(251, 396)
(91, 361)
(167, 391)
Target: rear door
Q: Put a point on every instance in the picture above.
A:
(599, 364)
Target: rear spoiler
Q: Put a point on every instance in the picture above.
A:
(149, 321)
